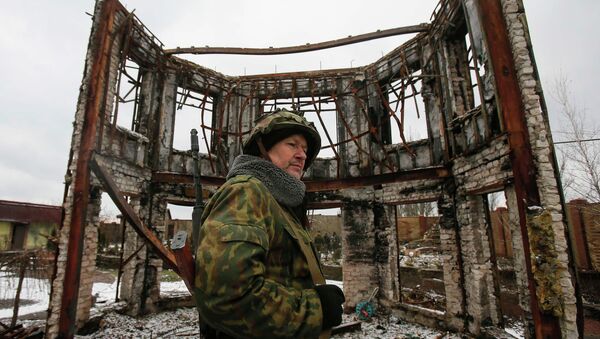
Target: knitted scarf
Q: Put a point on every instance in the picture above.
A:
(286, 189)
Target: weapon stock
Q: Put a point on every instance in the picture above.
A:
(180, 245)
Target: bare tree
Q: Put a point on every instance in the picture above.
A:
(418, 209)
(580, 153)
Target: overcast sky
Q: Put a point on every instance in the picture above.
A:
(43, 45)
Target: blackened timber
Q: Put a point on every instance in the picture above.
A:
(321, 185)
(325, 204)
(81, 190)
(523, 166)
(387, 178)
(346, 327)
(182, 178)
(493, 187)
(302, 48)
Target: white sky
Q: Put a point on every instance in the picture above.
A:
(43, 46)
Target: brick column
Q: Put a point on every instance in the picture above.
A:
(451, 260)
(88, 260)
(475, 245)
(358, 243)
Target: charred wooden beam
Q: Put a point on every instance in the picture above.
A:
(302, 48)
(325, 204)
(387, 178)
(324, 185)
(347, 327)
(493, 187)
(182, 178)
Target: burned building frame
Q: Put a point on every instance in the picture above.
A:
(469, 76)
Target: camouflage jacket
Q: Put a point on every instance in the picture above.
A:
(252, 280)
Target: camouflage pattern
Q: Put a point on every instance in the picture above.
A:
(251, 278)
(284, 119)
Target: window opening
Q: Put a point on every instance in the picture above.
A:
(319, 110)
(475, 75)
(326, 231)
(126, 99)
(420, 256)
(193, 110)
(482, 97)
(408, 122)
(109, 252)
(108, 210)
(497, 218)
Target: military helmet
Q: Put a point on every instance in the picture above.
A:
(280, 124)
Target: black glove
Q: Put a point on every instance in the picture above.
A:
(332, 298)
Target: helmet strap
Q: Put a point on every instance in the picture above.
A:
(262, 149)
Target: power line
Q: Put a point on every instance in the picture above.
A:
(574, 141)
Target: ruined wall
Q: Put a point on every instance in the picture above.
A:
(475, 175)
(452, 267)
(90, 220)
(358, 243)
(88, 262)
(122, 152)
(544, 158)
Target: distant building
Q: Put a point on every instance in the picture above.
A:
(325, 224)
(27, 226)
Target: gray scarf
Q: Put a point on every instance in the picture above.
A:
(286, 189)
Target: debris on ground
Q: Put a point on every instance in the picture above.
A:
(184, 323)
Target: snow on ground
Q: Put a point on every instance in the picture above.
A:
(184, 322)
(104, 292)
(173, 288)
(35, 294)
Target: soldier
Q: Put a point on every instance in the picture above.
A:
(254, 276)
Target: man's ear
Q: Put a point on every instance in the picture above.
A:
(263, 151)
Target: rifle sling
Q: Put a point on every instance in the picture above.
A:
(315, 270)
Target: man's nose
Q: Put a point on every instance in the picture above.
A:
(301, 153)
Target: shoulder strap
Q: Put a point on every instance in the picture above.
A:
(314, 268)
(311, 259)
